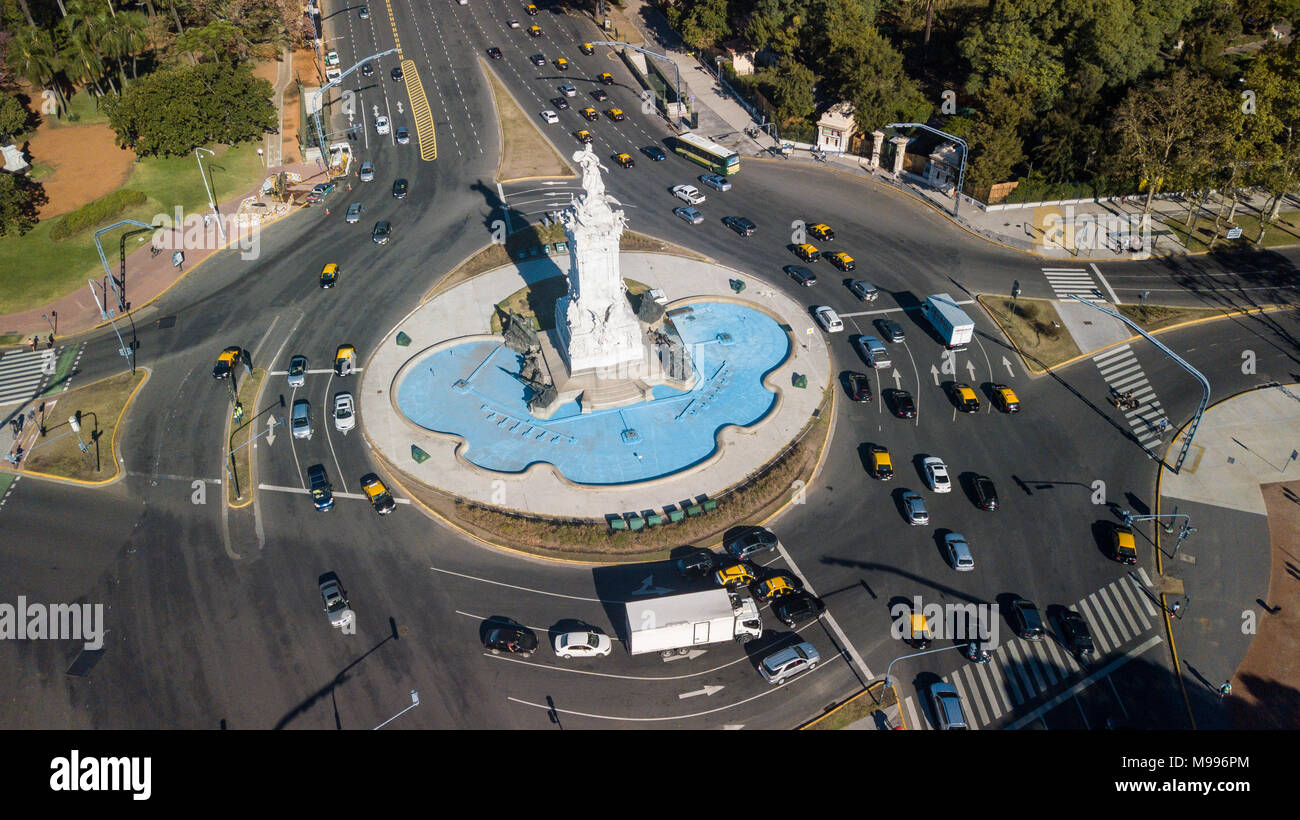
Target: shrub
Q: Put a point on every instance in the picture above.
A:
(95, 213)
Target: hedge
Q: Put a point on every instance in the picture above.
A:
(97, 212)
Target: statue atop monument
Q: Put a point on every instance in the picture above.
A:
(596, 325)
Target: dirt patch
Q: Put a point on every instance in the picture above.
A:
(290, 112)
(525, 152)
(86, 165)
(1266, 687)
(1034, 328)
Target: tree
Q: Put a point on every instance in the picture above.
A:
(20, 199)
(175, 110)
(996, 146)
(221, 40)
(705, 24)
(1010, 46)
(792, 85)
(1274, 80)
(14, 117)
(777, 25)
(33, 55)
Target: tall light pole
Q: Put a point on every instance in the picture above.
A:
(961, 174)
(108, 314)
(320, 134)
(1180, 361)
(212, 198)
(415, 701)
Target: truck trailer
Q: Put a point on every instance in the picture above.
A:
(954, 326)
(673, 624)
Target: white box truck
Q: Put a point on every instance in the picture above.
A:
(954, 326)
(673, 624)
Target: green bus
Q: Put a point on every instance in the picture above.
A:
(717, 158)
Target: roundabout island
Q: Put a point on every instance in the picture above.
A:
(620, 405)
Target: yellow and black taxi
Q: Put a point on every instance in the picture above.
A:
(882, 466)
(345, 360)
(965, 399)
(380, 498)
(531, 9)
(776, 586)
(227, 361)
(615, 114)
(329, 275)
(842, 261)
(916, 630)
(625, 160)
(734, 575)
(806, 252)
(606, 78)
(583, 136)
(1005, 399)
(1122, 546)
(590, 113)
(561, 63)
(587, 48)
(534, 31)
(822, 231)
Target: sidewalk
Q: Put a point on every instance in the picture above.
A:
(148, 275)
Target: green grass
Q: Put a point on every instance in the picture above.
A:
(35, 271)
(59, 452)
(1285, 230)
(81, 111)
(61, 370)
(248, 387)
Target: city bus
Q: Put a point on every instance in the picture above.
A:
(717, 158)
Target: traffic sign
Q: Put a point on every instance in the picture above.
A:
(1234, 233)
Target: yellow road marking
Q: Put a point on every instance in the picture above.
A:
(421, 115)
(392, 21)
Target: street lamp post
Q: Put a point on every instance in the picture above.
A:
(677, 73)
(961, 174)
(212, 197)
(74, 421)
(415, 701)
(271, 424)
(124, 349)
(320, 132)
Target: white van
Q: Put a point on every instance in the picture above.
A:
(828, 319)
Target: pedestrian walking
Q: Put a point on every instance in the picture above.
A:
(1164, 425)
(35, 341)
(49, 342)
(1225, 689)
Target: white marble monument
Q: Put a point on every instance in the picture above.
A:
(597, 329)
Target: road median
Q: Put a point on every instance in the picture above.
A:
(239, 484)
(80, 429)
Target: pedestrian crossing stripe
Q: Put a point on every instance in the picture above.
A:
(1118, 615)
(1066, 282)
(421, 114)
(22, 372)
(1121, 371)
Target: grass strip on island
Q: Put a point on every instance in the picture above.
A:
(1035, 328)
(101, 405)
(239, 436)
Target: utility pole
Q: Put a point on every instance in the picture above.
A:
(212, 197)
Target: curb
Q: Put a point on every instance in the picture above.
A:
(112, 445)
(252, 481)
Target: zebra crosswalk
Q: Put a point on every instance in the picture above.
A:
(1067, 282)
(22, 372)
(1119, 367)
(1022, 671)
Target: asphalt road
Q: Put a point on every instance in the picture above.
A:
(215, 614)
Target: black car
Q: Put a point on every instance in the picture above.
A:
(380, 234)
(986, 495)
(797, 606)
(400, 188)
(321, 493)
(977, 652)
(802, 275)
(698, 564)
(1026, 620)
(890, 330)
(599, 95)
(560, 103)
(739, 224)
(904, 407)
(751, 543)
(859, 387)
(1075, 634)
(397, 72)
(654, 152)
(494, 53)
(517, 640)
(538, 60)
(367, 70)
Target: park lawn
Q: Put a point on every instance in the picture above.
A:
(35, 270)
(59, 453)
(1283, 231)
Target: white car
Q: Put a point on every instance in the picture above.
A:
(297, 371)
(462, 2)
(512, 23)
(691, 215)
(936, 472)
(333, 74)
(345, 417)
(381, 125)
(828, 319)
(336, 603)
(550, 116)
(582, 645)
(688, 194)
(568, 89)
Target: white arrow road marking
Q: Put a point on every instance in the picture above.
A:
(898, 380)
(690, 656)
(1011, 374)
(934, 371)
(301, 491)
(731, 727)
(708, 690)
(970, 368)
(648, 588)
(270, 431)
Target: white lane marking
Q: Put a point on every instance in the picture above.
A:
(1133, 594)
(897, 309)
(834, 625)
(1115, 611)
(329, 439)
(1113, 298)
(520, 588)
(1084, 684)
(771, 691)
(317, 372)
(301, 491)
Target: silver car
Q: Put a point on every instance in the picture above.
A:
(716, 181)
(367, 171)
(864, 290)
(784, 664)
(403, 136)
(691, 215)
(300, 419)
(345, 417)
(297, 371)
(959, 555)
(947, 707)
(873, 351)
(335, 598)
(914, 508)
(354, 213)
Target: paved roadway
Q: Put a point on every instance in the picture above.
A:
(215, 614)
